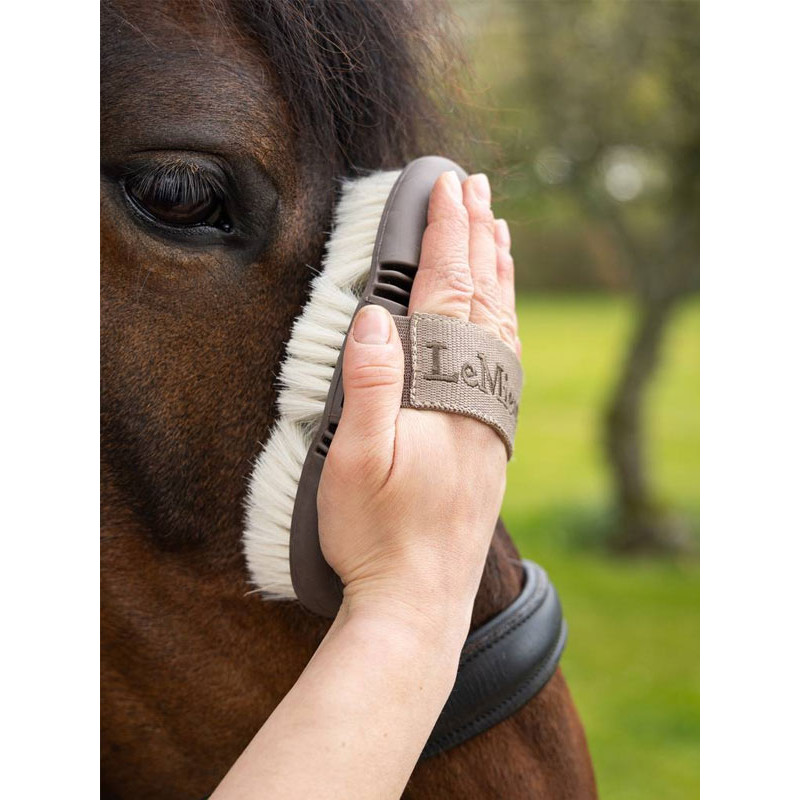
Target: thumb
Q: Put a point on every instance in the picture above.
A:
(372, 380)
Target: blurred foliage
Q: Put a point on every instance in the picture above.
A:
(558, 483)
(592, 115)
(632, 659)
(591, 110)
(632, 663)
(587, 119)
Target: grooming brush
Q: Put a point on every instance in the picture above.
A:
(371, 257)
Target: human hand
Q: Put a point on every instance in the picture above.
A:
(408, 499)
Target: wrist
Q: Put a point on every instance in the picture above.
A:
(419, 620)
(404, 648)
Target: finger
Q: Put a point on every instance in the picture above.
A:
(485, 310)
(372, 380)
(505, 280)
(443, 284)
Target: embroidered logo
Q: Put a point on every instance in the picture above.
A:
(493, 382)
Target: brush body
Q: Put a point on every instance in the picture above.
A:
(372, 257)
(305, 379)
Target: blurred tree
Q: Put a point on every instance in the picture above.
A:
(608, 94)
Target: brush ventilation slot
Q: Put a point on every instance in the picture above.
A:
(393, 282)
(325, 439)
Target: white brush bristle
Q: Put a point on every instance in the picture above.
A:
(305, 378)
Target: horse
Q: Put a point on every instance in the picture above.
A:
(226, 127)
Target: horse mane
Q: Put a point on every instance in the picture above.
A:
(371, 80)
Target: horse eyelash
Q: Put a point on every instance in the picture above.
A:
(174, 183)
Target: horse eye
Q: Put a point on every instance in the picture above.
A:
(178, 199)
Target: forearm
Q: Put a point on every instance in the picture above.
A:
(407, 503)
(355, 722)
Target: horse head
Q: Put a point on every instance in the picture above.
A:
(226, 127)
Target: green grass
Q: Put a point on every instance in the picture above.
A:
(632, 660)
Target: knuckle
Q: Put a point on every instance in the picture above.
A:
(507, 316)
(449, 221)
(449, 304)
(459, 218)
(508, 329)
(488, 297)
(481, 216)
(457, 280)
(369, 375)
(505, 263)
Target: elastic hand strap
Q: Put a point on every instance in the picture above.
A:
(457, 366)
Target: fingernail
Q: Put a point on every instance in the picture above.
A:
(371, 326)
(453, 185)
(482, 189)
(502, 234)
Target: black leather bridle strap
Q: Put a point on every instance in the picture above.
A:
(503, 664)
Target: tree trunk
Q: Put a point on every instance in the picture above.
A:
(643, 526)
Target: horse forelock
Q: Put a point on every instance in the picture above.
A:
(367, 78)
(373, 83)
